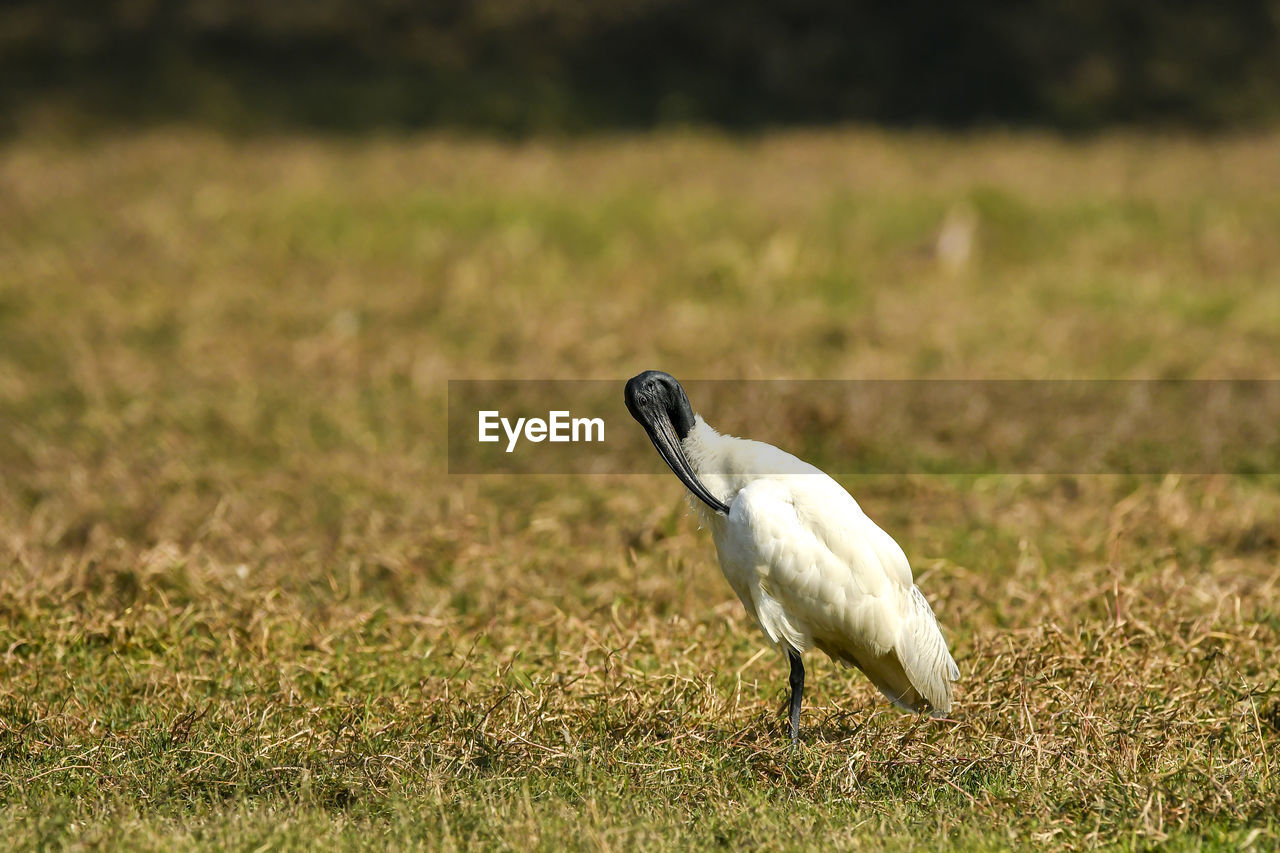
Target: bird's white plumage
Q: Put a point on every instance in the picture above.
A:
(815, 571)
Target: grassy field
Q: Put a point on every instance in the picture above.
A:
(242, 605)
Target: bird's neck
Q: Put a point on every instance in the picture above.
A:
(715, 458)
(726, 465)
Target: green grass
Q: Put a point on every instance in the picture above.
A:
(242, 605)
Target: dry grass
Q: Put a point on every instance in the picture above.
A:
(242, 606)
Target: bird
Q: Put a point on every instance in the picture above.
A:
(812, 570)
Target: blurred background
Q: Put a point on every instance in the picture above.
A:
(245, 245)
(518, 66)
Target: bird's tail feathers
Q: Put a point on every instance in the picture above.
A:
(923, 652)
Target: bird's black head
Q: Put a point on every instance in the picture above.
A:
(657, 401)
(654, 393)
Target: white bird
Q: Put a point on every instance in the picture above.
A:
(807, 563)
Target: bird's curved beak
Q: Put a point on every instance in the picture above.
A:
(663, 435)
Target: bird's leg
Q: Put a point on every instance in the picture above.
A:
(797, 692)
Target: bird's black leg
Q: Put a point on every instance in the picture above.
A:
(797, 692)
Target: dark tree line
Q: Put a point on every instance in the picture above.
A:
(581, 64)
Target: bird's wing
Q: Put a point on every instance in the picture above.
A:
(843, 584)
(820, 591)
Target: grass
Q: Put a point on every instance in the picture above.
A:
(242, 606)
